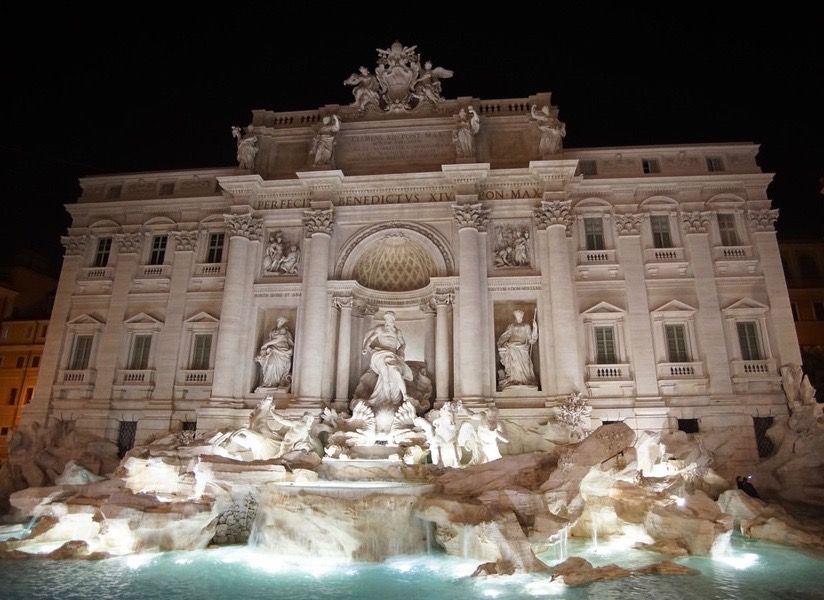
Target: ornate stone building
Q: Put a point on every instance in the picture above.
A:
(647, 278)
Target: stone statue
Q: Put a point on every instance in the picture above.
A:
(387, 346)
(428, 85)
(468, 125)
(515, 352)
(323, 145)
(365, 90)
(511, 247)
(481, 439)
(442, 435)
(275, 357)
(297, 435)
(552, 131)
(246, 147)
(280, 259)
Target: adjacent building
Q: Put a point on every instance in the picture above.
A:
(651, 274)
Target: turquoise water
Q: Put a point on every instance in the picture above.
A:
(752, 570)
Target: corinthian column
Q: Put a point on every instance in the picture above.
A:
(312, 336)
(344, 303)
(442, 354)
(553, 216)
(242, 230)
(471, 306)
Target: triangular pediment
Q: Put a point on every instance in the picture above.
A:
(604, 308)
(85, 319)
(747, 304)
(142, 319)
(675, 306)
(202, 317)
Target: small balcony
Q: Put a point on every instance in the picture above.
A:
(754, 368)
(608, 372)
(663, 255)
(732, 252)
(76, 376)
(210, 270)
(589, 257)
(155, 271)
(96, 273)
(195, 377)
(681, 370)
(135, 376)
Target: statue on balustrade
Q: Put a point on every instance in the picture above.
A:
(467, 127)
(552, 131)
(322, 150)
(515, 353)
(275, 357)
(246, 147)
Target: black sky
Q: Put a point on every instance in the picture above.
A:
(95, 92)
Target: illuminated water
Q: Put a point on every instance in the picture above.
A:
(752, 571)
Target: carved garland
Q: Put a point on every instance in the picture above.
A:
(629, 224)
(75, 245)
(554, 212)
(318, 221)
(185, 241)
(471, 215)
(695, 222)
(129, 243)
(763, 220)
(244, 226)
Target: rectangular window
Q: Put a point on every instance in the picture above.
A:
(726, 227)
(125, 437)
(81, 352)
(714, 164)
(167, 189)
(29, 395)
(21, 361)
(818, 311)
(35, 361)
(158, 255)
(594, 233)
(688, 425)
(677, 351)
(748, 340)
(588, 168)
(661, 237)
(650, 166)
(139, 355)
(101, 256)
(189, 426)
(201, 351)
(215, 250)
(114, 192)
(12, 396)
(605, 346)
(4, 431)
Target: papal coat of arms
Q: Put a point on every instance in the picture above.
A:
(400, 83)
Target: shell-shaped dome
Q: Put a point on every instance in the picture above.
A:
(394, 264)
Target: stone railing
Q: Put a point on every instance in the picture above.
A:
(731, 252)
(754, 368)
(663, 255)
(606, 372)
(210, 270)
(680, 370)
(195, 377)
(135, 376)
(97, 273)
(156, 270)
(84, 376)
(586, 257)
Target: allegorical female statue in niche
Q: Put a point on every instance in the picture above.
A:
(275, 357)
(515, 352)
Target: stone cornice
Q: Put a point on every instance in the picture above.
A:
(473, 216)
(185, 241)
(75, 245)
(695, 222)
(554, 212)
(629, 224)
(129, 243)
(763, 220)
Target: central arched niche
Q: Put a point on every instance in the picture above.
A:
(395, 257)
(394, 263)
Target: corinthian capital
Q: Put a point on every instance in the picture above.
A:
(185, 241)
(553, 212)
(629, 224)
(75, 245)
(763, 220)
(129, 243)
(244, 226)
(320, 220)
(695, 222)
(471, 215)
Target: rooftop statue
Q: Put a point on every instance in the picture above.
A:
(246, 147)
(323, 145)
(400, 83)
(552, 131)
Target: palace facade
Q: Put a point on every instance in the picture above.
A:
(650, 276)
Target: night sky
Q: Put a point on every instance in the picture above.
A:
(92, 93)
